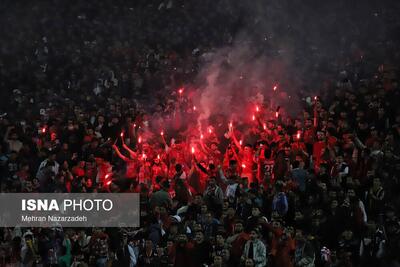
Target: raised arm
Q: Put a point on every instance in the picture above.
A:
(131, 152)
(235, 141)
(124, 158)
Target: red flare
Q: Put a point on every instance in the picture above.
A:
(209, 130)
(315, 98)
(240, 142)
(180, 91)
(162, 133)
(122, 134)
(230, 125)
(253, 118)
(265, 126)
(44, 130)
(192, 150)
(243, 166)
(158, 156)
(108, 183)
(140, 140)
(143, 156)
(257, 109)
(201, 136)
(194, 108)
(107, 176)
(298, 135)
(277, 114)
(275, 87)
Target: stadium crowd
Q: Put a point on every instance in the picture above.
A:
(100, 107)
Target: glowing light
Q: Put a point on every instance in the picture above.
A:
(275, 87)
(134, 125)
(122, 134)
(144, 156)
(180, 90)
(265, 126)
(192, 150)
(108, 183)
(240, 142)
(315, 98)
(243, 166)
(298, 135)
(140, 140)
(162, 133)
(107, 176)
(209, 130)
(253, 118)
(44, 130)
(230, 125)
(158, 156)
(194, 108)
(201, 136)
(257, 109)
(277, 114)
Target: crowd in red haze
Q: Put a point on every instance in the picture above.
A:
(271, 188)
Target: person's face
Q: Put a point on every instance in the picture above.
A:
(220, 240)
(334, 204)
(199, 238)
(376, 182)
(253, 235)
(173, 229)
(217, 261)
(203, 209)
(211, 182)
(52, 157)
(255, 212)
(299, 235)
(149, 244)
(238, 227)
(351, 193)
(231, 212)
(101, 119)
(287, 151)
(208, 218)
(197, 200)
(249, 263)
